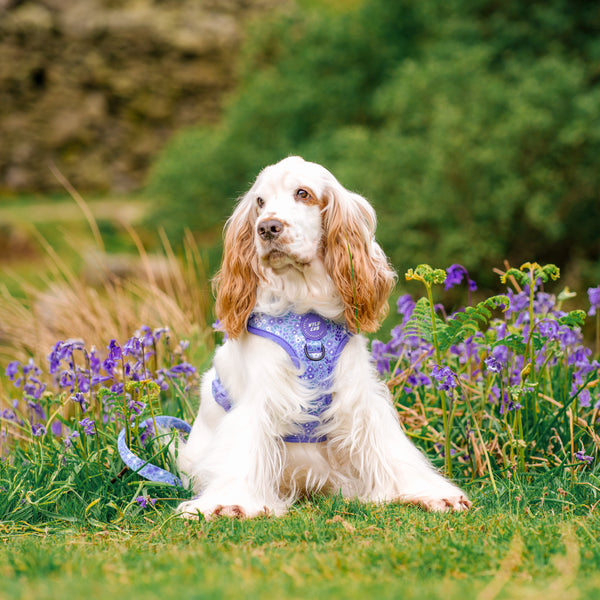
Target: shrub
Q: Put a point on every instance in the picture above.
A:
(472, 127)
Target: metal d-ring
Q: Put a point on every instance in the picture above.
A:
(321, 357)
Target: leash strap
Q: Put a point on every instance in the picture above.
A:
(143, 467)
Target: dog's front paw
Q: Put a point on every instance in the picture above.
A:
(192, 509)
(448, 503)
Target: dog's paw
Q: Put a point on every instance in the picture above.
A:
(192, 509)
(448, 503)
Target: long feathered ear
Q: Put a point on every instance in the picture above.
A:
(235, 283)
(355, 262)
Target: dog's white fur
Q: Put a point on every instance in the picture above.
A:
(322, 258)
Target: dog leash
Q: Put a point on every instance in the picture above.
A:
(143, 467)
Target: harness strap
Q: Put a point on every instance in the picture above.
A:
(314, 345)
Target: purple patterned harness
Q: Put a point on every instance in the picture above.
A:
(314, 345)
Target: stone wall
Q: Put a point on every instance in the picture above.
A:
(96, 87)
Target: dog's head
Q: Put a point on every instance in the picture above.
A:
(297, 213)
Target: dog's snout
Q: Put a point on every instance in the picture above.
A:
(270, 229)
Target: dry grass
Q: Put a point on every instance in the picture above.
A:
(156, 290)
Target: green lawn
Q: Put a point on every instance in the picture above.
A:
(325, 549)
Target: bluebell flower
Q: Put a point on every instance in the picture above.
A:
(136, 406)
(80, 399)
(142, 501)
(548, 328)
(405, 305)
(68, 439)
(12, 369)
(455, 274)
(543, 303)
(445, 377)
(33, 387)
(66, 380)
(517, 302)
(114, 351)
(379, 353)
(88, 425)
(31, 369)
(38, 430)
(584, 398)
(109, 366)
(583, 457)
(493, 364)
(132, 347)
(594, 296)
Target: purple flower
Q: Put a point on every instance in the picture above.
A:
(493, 364)
(445, 377)
(38, 430)
(142, 501)
(568, 336)
(80, 399)
(583, 457)
(379, 352)
(509, 405)
(548, 329)
(517, 302)
(34, 387)
(454, 276)
(12, 370)
(68, 439)
(132, 347)
(180, 370)
(136, 406)
(585, 398)
(114, 351)
(405, 306)
(63, 351)
(594, 296)
(88, 425)
(543, 303)
(66, 380)
(147, 433)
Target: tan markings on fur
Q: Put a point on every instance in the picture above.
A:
(366, 281)
(235, 283)
(313, 199)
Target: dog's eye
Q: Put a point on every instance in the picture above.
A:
(302, 194)
(260, 202)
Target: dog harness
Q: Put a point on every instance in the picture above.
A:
(314, 345)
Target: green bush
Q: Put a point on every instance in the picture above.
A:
(474, 128)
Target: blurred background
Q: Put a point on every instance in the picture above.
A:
(128, 128)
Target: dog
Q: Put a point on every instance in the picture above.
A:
(293, 405)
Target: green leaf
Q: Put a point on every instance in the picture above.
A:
(466, 324)
(575, 318)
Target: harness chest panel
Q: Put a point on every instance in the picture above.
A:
(314, 345)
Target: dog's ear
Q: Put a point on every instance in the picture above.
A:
(355, 262)
(235, 283)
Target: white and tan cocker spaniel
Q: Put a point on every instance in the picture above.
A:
(293, 404)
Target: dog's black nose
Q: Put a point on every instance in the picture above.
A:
(270, 229)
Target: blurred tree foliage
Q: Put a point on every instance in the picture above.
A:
(473, 126)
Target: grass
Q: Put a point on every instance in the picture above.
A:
(327, 548)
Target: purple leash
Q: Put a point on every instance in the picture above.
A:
(143, 467)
